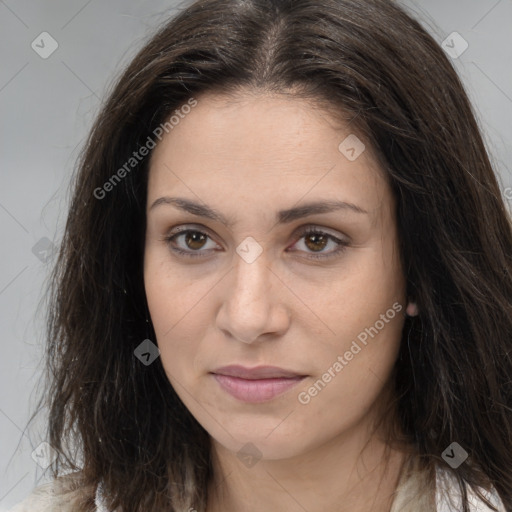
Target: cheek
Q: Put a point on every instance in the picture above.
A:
(173, 295)
(339, 304)
(354, 354)
(175, 310)
(351, 375)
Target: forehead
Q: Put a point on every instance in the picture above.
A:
(264, 147)
(256, 123)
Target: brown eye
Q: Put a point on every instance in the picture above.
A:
(190, 243)
(195, 239)
(316, 241)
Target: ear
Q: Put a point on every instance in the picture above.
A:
(412, 309)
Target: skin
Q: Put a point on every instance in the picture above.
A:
(248, 157)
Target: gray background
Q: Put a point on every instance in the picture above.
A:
(47, 106)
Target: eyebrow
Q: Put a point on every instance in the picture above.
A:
(282, 217)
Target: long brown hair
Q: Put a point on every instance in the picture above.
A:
(372, 64)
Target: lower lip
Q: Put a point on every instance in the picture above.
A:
(256, 391)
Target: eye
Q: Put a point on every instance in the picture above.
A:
(188, 242)
(317, 240)
(191, 242)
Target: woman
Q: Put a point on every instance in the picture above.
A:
(285, 281)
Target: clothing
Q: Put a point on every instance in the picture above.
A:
(445, 481)
(47, 499)
(413, 494)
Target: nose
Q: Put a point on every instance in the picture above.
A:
(253, 303)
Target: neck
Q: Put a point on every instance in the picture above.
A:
(350, 473)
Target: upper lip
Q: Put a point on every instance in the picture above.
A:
(259, 372)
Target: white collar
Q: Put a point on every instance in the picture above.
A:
(448, 498)
(99, 500)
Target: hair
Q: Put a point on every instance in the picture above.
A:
(373, 65)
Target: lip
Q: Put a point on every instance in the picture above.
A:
(256, 385)
(256, 373)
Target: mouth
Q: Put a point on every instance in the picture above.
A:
(256, 385)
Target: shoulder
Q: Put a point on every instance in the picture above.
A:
(422, 490)
(63, 494)
(449, 499)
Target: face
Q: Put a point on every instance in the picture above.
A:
(276, 246)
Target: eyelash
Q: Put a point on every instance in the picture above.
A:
(342, 244)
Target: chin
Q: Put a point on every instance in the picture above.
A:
(265, 439)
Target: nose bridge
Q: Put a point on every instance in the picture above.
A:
(251, 280)
(249, 306)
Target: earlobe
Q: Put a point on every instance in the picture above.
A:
(412, 309)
